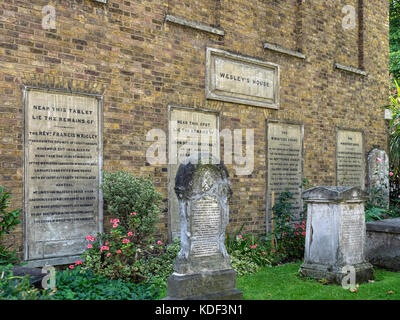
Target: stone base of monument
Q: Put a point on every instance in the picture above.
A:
(212, 285)
(335, 274)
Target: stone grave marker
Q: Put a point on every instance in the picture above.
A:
(202, 268)
(378, 176)
(335, 234)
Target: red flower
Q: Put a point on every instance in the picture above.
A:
(296, 233)
(130, 234)
(125, 241)
(303, 233)
(78, 262)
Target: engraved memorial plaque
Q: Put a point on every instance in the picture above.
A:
(190, 131)
(238, 79)
(62, 172)
(285, 162)
(350, 158)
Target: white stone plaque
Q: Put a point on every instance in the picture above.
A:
(239, 79)
(350, 163)
(190, 131)
(285, 162)
(62, 172)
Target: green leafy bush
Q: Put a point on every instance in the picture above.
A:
(14, 287)
(134, 205)
(125, 194)
(8, 221)
(79, 284)
(157, 268)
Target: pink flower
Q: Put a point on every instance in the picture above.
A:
(296, 233)
(104, 248)
(106, 243)
(71, 266)
(391, 173)
(240, 236)
(78, 262)
(303, 222)
(108, 254)
(133, 213)
(379, 160)
(90, 238)
(115, 225)
(118, 251)
(159, 242)
(303, 233)
(130, 234)
(89, 246)
(263, 253)
(116, 221)
(111, 221)
(125, 241)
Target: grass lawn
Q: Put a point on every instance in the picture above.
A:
(283, 283)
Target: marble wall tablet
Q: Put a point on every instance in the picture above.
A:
(190, 131)
(350, 162)
(284, 162)
(239, 79)
(63, 147)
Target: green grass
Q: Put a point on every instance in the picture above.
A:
(283, 283)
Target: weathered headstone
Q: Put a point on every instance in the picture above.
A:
(202, 268)
(284, 163)
(350, 163)
(378, 177)
(336, 234)
(63, 157)
(190, 131)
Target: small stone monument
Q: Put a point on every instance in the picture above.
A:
(378, 176)
(202, 268)
(336, 234)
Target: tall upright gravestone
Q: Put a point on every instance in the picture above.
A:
(378, 177)
(202, 269)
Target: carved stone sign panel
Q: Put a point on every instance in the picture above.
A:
(190, 131)
(285, 162)
(350, 163)
(239, 79)
(63, 144)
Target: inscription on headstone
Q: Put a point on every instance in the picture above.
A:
(285, 161)
(62, 172)
(206, 224)
(239, 79)
(190, 131)
(350, 158)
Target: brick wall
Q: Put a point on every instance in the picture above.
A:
(125, 51)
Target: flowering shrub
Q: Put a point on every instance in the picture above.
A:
(118, 253)
(292, 243)
(133, 202)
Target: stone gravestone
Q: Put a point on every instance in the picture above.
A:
(202, 269)
(335, 234)
(378, 176)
